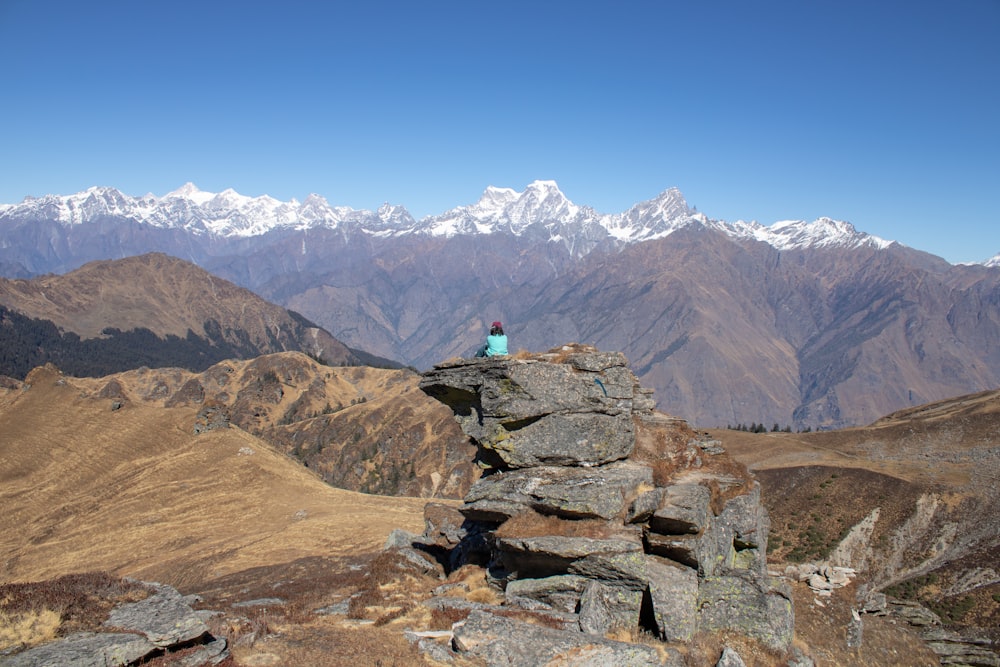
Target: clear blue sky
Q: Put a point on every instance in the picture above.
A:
(882, 113)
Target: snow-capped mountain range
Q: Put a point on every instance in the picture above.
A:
(839, 334)
(541, 210)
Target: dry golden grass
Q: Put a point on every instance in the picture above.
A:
(637, 635)
(899, 445)
(389, 590)
(473, 577)
(485, 596)
(36, 612)
(134, 492)
(559, 355)
(705, 649)
(659, 442)
(663, 471)
(445, 617)
(222, 514)
(327, 642)
(28, 628)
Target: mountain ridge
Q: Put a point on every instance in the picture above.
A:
(173, 300)
(808, 325)
(499, 210)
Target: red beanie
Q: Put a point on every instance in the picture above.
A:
(497, 325)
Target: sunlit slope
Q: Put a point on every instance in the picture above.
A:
(136, 492)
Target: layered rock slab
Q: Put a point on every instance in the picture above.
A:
(569, 492)
(137, 632)
(530, 412)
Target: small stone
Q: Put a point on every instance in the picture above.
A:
(730, 658)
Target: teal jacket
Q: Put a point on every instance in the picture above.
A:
(496, 345)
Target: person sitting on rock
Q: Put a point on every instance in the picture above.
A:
(496, 342)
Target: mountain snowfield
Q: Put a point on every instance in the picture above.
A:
(541, 210)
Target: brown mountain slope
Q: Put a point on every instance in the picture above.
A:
(937, 443)
(135, 492)
(912, 501)
(730, 332)
(727, 331)
(168, 296)
(359, 428)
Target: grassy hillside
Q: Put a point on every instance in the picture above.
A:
(134, 491)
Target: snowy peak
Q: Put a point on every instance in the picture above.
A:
(541, 210)
(541, 202)
(190, 192)
(655, 218)
(668, 205)
(497, 197)
(393, 219)
(506, 210)
(493, 202)
(993, 261)
(95, 202)
(490, 206)
(824, 232)
(544, 193)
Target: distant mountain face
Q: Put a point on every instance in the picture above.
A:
(150, 310)
(803, 324)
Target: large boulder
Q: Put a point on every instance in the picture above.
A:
(684, 509)
(165, 618)
(547, 555)
(572, 439)
(530, 412)
(749, 606)
(561, 592)
(737, 541)
(673, 594)
(86, 649)
(570, 492)
(511, 389)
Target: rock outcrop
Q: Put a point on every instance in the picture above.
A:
(136, 632)
(822, 578)
(529, 413)
(950, 646)
(598, 512)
